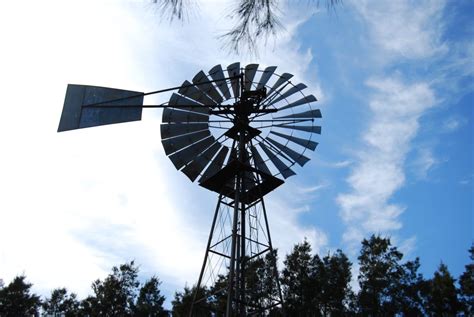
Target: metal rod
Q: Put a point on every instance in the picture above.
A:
(233, 247)
(206, 255)
(160, 91)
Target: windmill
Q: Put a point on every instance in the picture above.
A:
(238, 132)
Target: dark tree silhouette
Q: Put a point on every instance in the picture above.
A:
(61, 303)
(331, 279)
(255, 19)
(442, 295)
(379, 277)
(466, 281)
(16, 299)
(115, 296)
(183, 300)
(150, 301)
(299, 293)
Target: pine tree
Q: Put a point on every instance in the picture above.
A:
(299, 293)
(442, 296)
(115, 296)
(61, 303)
(466, 281)
(379, 277)
(331, 283)
(16, 299)
(150, 301)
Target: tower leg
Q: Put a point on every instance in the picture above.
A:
(238, 285)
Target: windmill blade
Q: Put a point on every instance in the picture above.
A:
(295, 156)
(215, 165)
(259, 163)
(284, 170)
(289, 92)
(172, 145)
(302, 101)
(267, 73)
(193, 169)
(234, 70)
(249, 74)
(283, 79)
(305, 143)
(76, 116)
(307, 114)
(178, 100)
(306, 128)
(173, 130)
(202, 79)
(217, 73)
(176, 116)
(192, 92)
(187, 154)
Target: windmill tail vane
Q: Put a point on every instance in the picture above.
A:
(239, 132)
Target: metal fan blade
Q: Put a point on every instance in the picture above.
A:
(284, 170)
(283, 79)
(250, 71)
(76, 116)
(306, 128)
(189, 153)
(202, 79)
(295, 156)
(302, 101)
(175, 116)
(267, 73)
(193, 169)
(172, 145)
(234, 70)
(194, 93)
(289, 92)
(217, 74)
(178, 100)
(307, 114)
(172, 130)
(306, 143)
(215, 165)
(259, 163)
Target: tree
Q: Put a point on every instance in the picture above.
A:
(61, 303)
(183, 300)
(16, 299)
(150, 301)
(442, 296)
(412, 290)
(115, 296)
(379, 277)
(298, 291)
(256, 20)
(466, 281)
(331, 282)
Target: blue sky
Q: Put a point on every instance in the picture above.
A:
(394, 81)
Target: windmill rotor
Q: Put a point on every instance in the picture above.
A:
(279, 118)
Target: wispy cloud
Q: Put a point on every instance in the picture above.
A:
(424, 162)
(453, 123)
(404, 28)
(379, 172)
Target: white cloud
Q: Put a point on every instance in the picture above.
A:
(404, 28)
(453, 123)
(379, 173)
(424, 162)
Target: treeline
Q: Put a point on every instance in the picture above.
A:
(312, 285)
